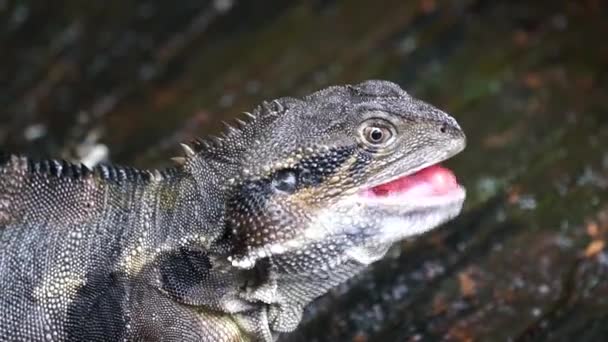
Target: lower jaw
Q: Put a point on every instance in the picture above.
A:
(398, 222)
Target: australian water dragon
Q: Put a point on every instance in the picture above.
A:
(232, 243)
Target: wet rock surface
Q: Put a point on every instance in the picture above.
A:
(528, 81)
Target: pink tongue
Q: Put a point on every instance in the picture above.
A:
(434, 180)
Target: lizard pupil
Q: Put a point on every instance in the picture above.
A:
(376, 134)
(285, 181)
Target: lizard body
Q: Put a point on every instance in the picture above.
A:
(233, 243)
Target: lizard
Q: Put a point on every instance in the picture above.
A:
(232, 242)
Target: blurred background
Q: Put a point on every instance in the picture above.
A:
(125, 81)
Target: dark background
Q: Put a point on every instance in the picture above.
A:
(527, 80)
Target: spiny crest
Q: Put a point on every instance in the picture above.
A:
(236, 128)
(63, 169)
(126, 173)
(189, 152)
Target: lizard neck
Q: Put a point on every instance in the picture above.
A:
(190, 207)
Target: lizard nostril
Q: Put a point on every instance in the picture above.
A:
(443, 128)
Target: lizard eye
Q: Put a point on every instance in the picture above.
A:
(285, 181)
(377, 133)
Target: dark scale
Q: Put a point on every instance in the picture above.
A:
(312, 171)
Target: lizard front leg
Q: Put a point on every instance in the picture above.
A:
(182, 297)
(156, 317)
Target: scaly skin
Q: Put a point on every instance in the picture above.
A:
(231, 244)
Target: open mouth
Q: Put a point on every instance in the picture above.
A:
(432, 182)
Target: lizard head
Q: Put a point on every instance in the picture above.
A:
(340, 174)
